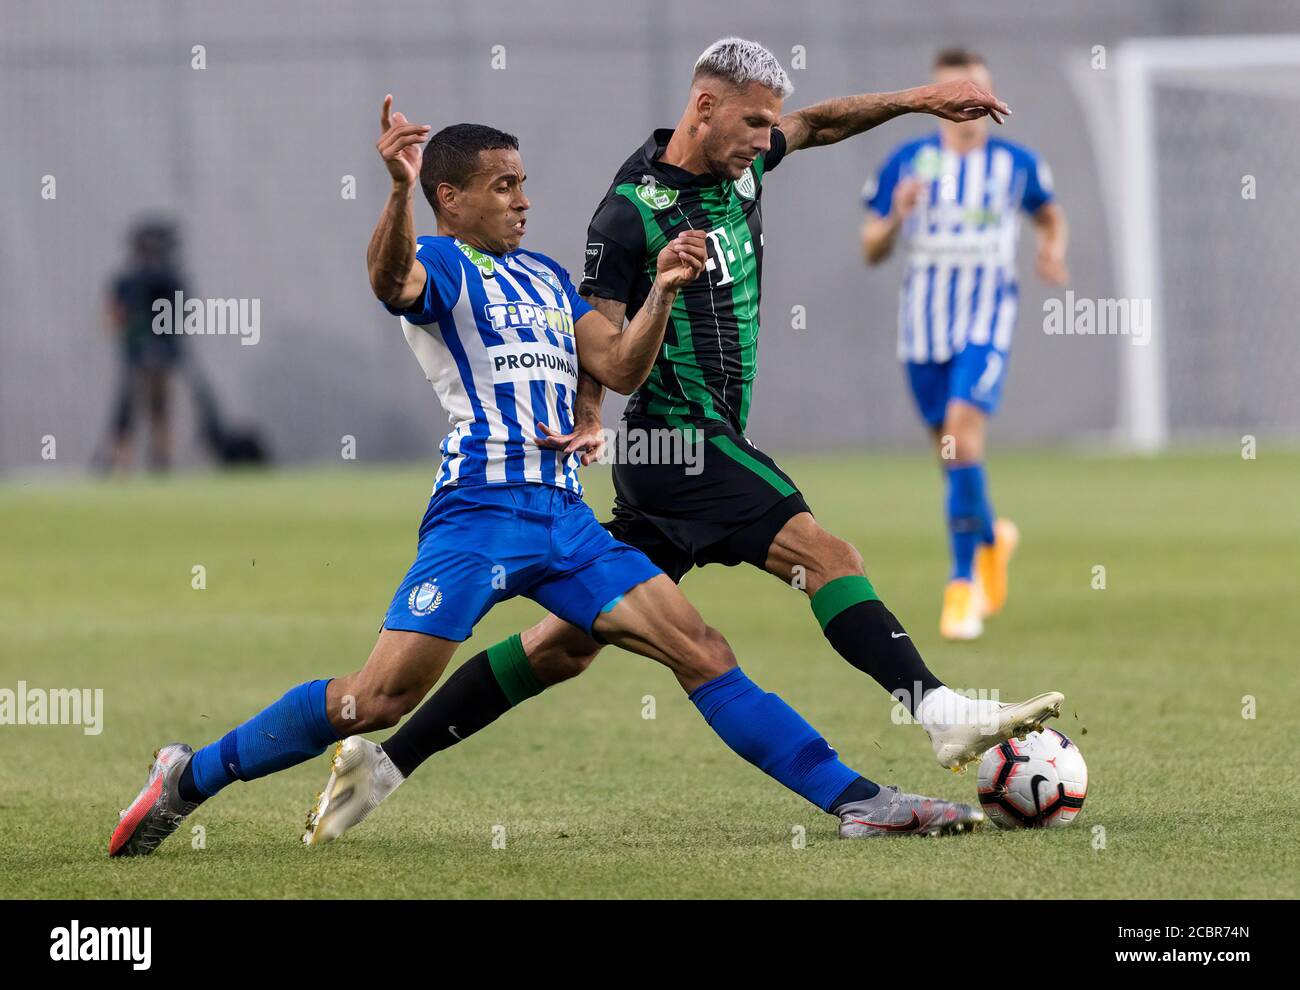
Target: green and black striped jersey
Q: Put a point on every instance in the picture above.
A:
(705, 369)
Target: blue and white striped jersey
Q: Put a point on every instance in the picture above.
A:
(960, 241)
(494, 335)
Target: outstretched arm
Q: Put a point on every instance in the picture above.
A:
(834, 120)
(621, 359)
(395, 276)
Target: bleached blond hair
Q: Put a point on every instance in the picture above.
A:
(741, 62)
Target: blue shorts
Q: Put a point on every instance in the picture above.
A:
(975, 375)
(488, 543)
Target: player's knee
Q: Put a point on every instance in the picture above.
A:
(847, 557)
(834, 558)
(556, 665)
(961, 434)
(376, 709)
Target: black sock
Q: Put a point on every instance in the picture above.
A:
(186, 787)
(867, 635)
(860, 790)
(483, 689)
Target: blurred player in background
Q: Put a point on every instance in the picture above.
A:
(954, 198)
(149, 360)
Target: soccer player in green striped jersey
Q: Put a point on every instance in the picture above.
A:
(733, 504)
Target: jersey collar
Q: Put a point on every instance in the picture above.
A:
(675, 177)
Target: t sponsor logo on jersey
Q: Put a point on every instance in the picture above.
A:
(424, 599)
(526, 362)
(480, 260)
(745, 184)
(654, 195)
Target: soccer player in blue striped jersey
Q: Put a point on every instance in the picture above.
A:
(954, 198)
(501, 334)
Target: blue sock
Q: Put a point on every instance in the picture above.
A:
(774, 737)
(292, 730)
(969, 517)
(986, 530)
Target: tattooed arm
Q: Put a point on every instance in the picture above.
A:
(621, 359)
(834, 120)
(395, 276)
(587, 437)
(591, 393)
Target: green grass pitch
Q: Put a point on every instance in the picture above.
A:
(1188, 799)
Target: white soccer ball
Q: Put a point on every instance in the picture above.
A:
(1038, 783)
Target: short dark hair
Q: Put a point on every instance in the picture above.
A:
(957, 58)
(452, 155)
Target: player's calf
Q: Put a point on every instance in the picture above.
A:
(399, 672)
(809, 557)
(852, 616)
(557, 651)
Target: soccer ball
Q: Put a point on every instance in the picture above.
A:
(1038, 783)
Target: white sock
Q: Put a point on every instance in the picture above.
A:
(944, 707)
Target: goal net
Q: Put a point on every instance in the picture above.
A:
(1198, 143)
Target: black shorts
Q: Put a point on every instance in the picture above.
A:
(724, 507)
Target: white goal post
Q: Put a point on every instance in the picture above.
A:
(1126, 119)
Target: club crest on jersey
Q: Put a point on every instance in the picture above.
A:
(745, 184)
(928, 162)
(654, 195)
(424, 599)
(548, 276)
(480, 260)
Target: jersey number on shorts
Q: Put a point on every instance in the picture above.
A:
(992, 368)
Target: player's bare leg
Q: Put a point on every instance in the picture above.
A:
(557, 650)
(982, 545)
(657, 621)
(868, 636)
(402, 667)
(363, 774)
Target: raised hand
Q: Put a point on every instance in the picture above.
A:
(962, 100)
(399, 144)
(681, 262)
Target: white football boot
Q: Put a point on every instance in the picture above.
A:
(361, 777)
(961, 729)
